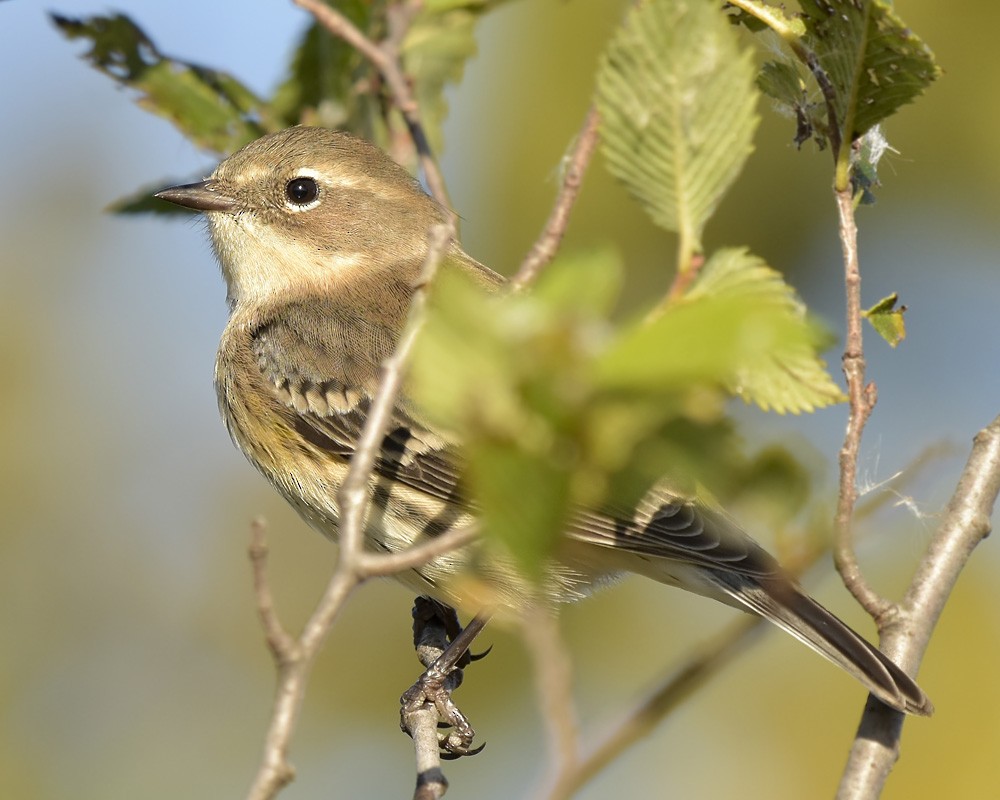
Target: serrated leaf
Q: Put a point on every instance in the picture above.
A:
(875, 63)
(887, 319)
(782, 81)
(791, 377)
(741, 326)
(676, 98)
(211, 108)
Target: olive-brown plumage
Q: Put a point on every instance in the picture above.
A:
(321, 238)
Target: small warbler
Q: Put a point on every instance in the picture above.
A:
(321, 238)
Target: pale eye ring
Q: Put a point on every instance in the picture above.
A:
(302, 191)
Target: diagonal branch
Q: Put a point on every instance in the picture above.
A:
(545, 248)
(965, 524)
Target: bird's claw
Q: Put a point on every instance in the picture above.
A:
(443, 648)
(434, 688)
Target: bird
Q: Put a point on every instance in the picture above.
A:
(321, 238)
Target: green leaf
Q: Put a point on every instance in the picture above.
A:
(791, 377)
(587, 285)
(887, 319)
(211, 108)
(676, 98)
(740, 326)
(438, 44)
(556, 411)
(874, 62)
(506, 374)
(321, 87)
(523, 500)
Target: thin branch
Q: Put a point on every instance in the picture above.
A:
(384, 57)
(682, 682)
(553, 670)
(431, 782)
(353, 495)
(547, 244)
(294, 660)
(965, 524)
(862, 400)
(278, 639)
(693, 673)
(380, 565)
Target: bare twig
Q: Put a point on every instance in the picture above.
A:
(294, 658)
(554, 686)
(862, 400)
(278, 639)
(384, 564)
(353, 493)
(677, 687)
(965, 524)
(384, 57)
(431, 782)
(545, 248)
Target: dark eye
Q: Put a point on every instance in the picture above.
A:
(302, 191)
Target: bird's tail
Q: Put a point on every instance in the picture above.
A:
(782, 602)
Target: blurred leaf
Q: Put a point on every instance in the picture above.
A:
(887, 319)
(775, 482)
(740, 326)
(676, 98)
(551, 403)
(873, 60)
(213, 109)
(590, 288)
(322, 83)
(523, 499)
(437, 45)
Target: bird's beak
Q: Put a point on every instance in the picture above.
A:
(202, 196)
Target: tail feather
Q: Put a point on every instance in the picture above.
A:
(782, 602)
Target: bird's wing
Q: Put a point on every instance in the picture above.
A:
(323, 365)
(669, 526)
(330, 393)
